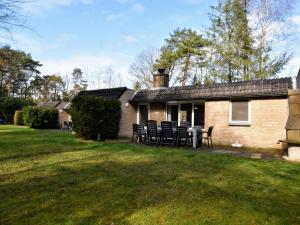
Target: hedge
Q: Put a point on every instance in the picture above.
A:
(9, 105)
(40, 118)
(18, 118)
(95, 115)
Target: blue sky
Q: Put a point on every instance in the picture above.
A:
(99, 34)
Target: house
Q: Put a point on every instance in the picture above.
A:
(252, 113)
(128, 111)
(62, 107)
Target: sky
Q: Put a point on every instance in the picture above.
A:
(96, 35)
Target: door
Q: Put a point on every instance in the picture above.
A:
(143, 115)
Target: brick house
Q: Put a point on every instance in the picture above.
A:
(62, 107)
(252, 113)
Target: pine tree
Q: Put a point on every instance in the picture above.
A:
(181, 54)
(231, 42)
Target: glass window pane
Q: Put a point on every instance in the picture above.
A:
(186, 113)
(173, 113)
(239, 111)
(199, 115)
(143, 115)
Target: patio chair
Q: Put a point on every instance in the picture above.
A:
(185, 124)
(134, 131)
(182, 136)
(152, 132)
(167, 134)
(140, 133)
(174, 124)
(209, 136)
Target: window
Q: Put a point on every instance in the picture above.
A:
(240, 113)
(186, 113)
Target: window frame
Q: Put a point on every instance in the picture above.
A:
(236, 122)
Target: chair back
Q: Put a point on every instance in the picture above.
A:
(167, 130)
(182, 131)
(185, 124)
(152, 127)
(140, 130)
(134, 127)
(209, 132)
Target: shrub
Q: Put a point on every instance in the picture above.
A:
(92, 115)
(8, 106)
(18, 118)
(40, 118)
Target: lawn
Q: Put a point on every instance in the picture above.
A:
(50, 177)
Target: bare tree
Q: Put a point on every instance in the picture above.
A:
(142, 68)
(10, 14)
(268, 18)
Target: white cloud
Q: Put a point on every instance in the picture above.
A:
(114, 16)
(129, 38)
(93, 66)
(37, 6)
(295, 20)
(138, 8)
(36, 44)
(192, 2)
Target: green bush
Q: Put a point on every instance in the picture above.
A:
(92, 115)
(40, 118)
(18, 118)
(9, 105)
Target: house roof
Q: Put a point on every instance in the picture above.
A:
(271, 88)
(49, 104)
(57, 104)
(109, 93)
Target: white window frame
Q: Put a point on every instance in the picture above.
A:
(240, 123)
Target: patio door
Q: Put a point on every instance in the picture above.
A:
(143, 114)
(172, 113)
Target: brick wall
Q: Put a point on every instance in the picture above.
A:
(128, 116)
(158, 112)
(62, 117)
(268, 122)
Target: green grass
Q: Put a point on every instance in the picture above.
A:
(50, 177)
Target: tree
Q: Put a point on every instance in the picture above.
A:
(269, 25)
(182, 54)
(143, 69)
(231, 41)
(10, 15)
(17, 69)
(79, 83)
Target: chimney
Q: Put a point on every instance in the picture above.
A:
(161, 79)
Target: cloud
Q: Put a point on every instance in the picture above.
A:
(114, 16)
(93, 67)
(129, 38)
(192, 2)
(138, 8)
(38, 6)
(36, 44)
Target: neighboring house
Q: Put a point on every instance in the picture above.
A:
(62, 107)
(128, 113)
(252, 113)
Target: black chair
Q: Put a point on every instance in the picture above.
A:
(167, 134)
(141, 133)
(185, 124)
(134, 131)
(152, 133)
(182, 136)
(209, 136)
(174, 124)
